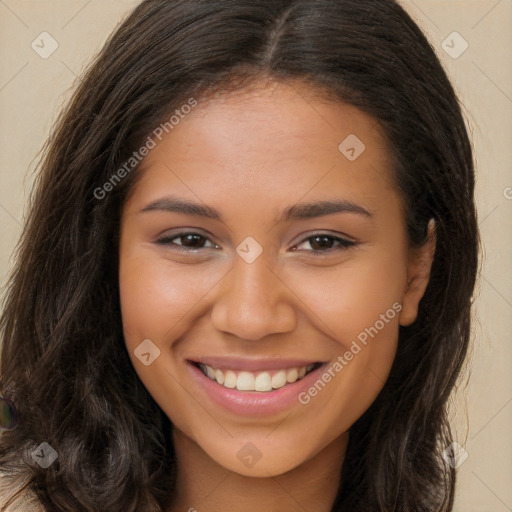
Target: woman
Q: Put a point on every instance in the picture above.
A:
(247, 272)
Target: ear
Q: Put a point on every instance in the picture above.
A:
(418, 274)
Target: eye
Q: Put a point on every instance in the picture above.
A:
(190, 241)
(322, 243)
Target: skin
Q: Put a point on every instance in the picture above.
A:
(249, 155)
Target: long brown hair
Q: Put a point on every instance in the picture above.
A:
(63, 359)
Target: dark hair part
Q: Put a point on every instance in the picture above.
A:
(64, 362)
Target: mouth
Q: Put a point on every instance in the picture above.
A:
(261, 381)
(253, 388)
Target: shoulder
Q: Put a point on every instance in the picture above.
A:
(10, 502)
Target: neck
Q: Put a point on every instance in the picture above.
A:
(205, 486)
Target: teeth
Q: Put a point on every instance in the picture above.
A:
(229, 379)
(261, 381)
(219, 376)
(279, 379)
(210, 372)
(291, 375)
(245, 381)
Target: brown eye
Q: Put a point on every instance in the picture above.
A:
(192, 241)
(323, 243)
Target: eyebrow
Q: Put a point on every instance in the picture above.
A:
(297, 211)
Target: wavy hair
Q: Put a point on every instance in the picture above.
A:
(63, 359)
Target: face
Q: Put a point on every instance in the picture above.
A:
(264, 273)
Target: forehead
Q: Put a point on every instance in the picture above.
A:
(274, 140)
(292, 118)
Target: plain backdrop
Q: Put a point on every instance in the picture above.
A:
(478, 60)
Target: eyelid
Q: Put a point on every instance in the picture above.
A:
(344, 241)
(167, 236)
(325, 232)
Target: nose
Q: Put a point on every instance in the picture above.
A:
(253, 302)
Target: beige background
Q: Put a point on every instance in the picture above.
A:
(32, 90)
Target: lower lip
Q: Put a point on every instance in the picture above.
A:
(254, 403)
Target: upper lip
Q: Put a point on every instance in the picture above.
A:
(254, 365)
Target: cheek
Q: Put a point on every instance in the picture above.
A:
(351, 297)
(155, 296)
(155, 302)
(357, 306)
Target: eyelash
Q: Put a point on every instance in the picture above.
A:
(343, 242)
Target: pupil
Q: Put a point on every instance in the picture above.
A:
(192, 238)
(325, 242)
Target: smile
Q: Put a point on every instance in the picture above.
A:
(262, 381)
(250, 387)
